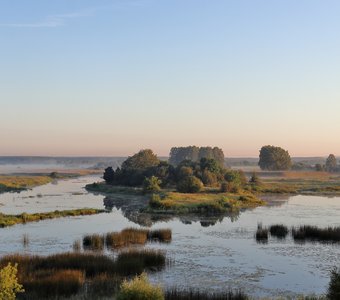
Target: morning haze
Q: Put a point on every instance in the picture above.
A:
(86, 79)
(169, 150)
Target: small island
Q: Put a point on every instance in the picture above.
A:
(194, 180)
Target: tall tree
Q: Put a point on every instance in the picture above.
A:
(331, 163)
(274, 158)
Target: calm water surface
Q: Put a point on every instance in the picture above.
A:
(212, 253)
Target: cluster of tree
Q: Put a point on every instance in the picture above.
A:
(146, 170)
(331, 165)
(274, 158)
(195, 154)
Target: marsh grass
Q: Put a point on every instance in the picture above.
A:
(191, 294)
(66, 274)
(307, 232)
(10, 183)
(261, 234)
(279, 230)
(25, 240)
(10, 220)
(134, 261)
(126, 238)
(94, 242)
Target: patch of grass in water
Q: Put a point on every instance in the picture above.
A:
(10, 220)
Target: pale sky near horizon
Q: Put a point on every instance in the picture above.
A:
(105, 78)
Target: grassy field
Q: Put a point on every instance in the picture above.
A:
(305, 183)
(10, 220)
(10, 183)
(204, 202)
(23, 181)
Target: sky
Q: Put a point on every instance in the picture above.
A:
(107, 78)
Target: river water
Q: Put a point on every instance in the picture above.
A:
(207, 253)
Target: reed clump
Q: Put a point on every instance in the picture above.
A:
(261, 234)
(160, 235)
(93, 242)
(279, 230)
(307, 232)
(62, 275)
(135, 261)
(191, 294)
(126, 238)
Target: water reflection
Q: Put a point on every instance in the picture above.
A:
(131, 208)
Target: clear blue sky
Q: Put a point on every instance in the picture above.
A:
(80, 77)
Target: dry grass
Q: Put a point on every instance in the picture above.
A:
(8, 183)
(10, 220)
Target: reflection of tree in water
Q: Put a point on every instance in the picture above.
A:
(276, 200)
(131, 209)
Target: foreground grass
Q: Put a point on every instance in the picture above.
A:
(92, 275)
(10, 220)
(213, 202)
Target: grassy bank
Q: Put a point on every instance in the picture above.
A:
(214, 202)
(103, 188)
(10, 220)
(304, 183)
(19, 183)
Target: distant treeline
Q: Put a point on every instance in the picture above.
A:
(195, 154)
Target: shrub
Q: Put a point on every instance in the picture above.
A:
(9, 285)
(140, 289)
(93, 242)
(190, 184)
(151, 185)
(334, 285)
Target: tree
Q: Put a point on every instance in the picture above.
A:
(194, 153)
(109, 175)
(142, 160)
(274, 158)
(189, 184)
(151, 184)
(331, 163)
(319, 168)
(9, 285)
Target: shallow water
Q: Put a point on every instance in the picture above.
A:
(207, 253)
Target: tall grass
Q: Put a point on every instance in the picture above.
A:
(66, 274)
(190, 294)
(125, 238)
(261, 234)
(10, 220)
(134, 261)
(307, 232)
(279, 230)
(93, 242)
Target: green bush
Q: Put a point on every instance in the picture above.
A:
(9, 285)
(189, 184)
(151, 185)
(140, 289)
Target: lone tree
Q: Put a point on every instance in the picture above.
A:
(331, 163)
(274, 158)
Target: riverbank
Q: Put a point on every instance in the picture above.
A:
(23, 181)
(10, 220)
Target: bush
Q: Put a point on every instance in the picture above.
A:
(151, 185)
(190, 184)
(334, 285)
(140, 289)
(9, 285)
